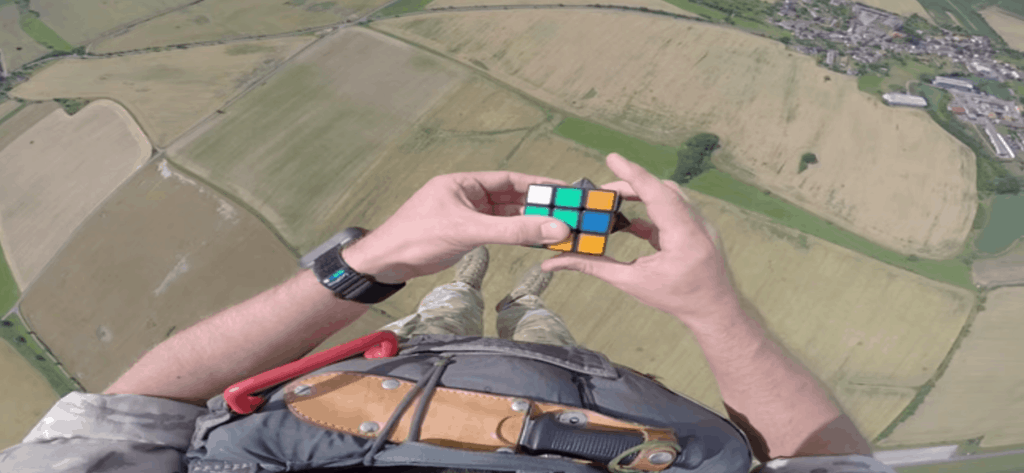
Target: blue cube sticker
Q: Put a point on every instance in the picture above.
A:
(596, 222)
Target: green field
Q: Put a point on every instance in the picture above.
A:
(17, 335)
(993, 87)
(706, 12)
(896, 80)
(402, 6)
(660, 161)
(13, 113)
(966, 13)
(1005, 224)
(39, 31)
(763, 29)
(8, 288)
(1004, 464)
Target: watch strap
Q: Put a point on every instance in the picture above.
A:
(346, 283)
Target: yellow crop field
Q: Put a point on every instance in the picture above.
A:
(161, 254)
(648, 75)
(982, 391)
(1005, 270)
(1010, 27)
(56, 173)
(294, 147)
(16, 46)
(170, 91)
(8, 106)
(22, 406)
(651, 4)
(214, 20)
(81, 21)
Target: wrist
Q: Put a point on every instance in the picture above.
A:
(363, 260)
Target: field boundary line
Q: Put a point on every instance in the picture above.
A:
(16, 313)
(120, 29)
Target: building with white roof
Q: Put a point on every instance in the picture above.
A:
(951, 83)
(905, 100)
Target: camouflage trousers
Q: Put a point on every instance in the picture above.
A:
(457, 308)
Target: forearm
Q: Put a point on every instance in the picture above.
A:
(775, 397)
(274, 328)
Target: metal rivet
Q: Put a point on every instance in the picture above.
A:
(660, 458)
(520, 405)
(369, 427)
(390, 384)
(576, 418)
(303, 390)
(505, 450)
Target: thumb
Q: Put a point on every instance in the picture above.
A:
(524, 230)
(601, 267)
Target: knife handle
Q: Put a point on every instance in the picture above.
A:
(548, 435)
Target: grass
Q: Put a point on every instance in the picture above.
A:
(763, 29)
(72, 106)
(899, 75)
(1003, 464)
(402, 6)
(706, 12)
(8, 288)
(18, 335)
(660, 161)
(995, 88)
(1004, 226)
(39, 31)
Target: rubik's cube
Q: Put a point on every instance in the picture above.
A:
(591, 214)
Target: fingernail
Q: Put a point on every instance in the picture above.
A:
(551, 232)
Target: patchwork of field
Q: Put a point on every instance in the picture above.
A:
(1005, 270)
(664, 79)
(899, 7)
(161, 254)
(23, 403)
(651, 4)
(294, 148)
(982, 391)
(1009, 27)
(17, 46)
(214, 20)
(13, 127)
(56, 173)
(7, 107)
(83, 20)
(167, 92)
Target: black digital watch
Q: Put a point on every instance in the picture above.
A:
(339, 277)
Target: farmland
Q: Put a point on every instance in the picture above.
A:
(1010, 27)
(1005, 225)
(982, 387)
(214, 20)
(167, 92)
(293, 147)
(1007, 269)
(83, 20)
(651, 4)
(176, 257)
(769, 105)
(21, 408)
(900, 7)
(8, 108)
(22, 121)
(18, 47)
(47, 191)
(962, 13)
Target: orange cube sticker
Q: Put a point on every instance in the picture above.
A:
(600, 200)
(563, 246)
(591, 244)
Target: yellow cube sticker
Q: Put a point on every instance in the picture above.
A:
(600, 200)
(591, 244)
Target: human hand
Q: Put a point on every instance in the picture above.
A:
(448, 217)
(688, 277)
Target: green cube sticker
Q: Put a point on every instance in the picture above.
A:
(570, 217)
(535, 210)
(568, 197)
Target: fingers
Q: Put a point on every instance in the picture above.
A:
(601, 267)
(500, 187)
(646, 230)
(666, 207)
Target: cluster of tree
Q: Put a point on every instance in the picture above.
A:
(805, 160)
(695, 157)
(753, 9)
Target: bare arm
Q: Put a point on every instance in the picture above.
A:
(781, 406)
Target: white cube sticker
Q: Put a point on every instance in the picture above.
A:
(539, 195)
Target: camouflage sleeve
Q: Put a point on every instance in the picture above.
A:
(827, 464)
(105, 433)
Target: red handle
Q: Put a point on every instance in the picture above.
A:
(239, 396)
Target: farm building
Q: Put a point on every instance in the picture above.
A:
(905, 100)
(1003, 150)
(958, 110)
(950, 83)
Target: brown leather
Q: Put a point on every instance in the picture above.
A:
(455, 418)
